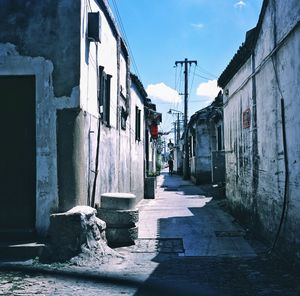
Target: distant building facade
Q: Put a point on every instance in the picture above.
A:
(205, 134)
(261, 124)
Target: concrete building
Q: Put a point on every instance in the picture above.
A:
(68, 111)
(261, 126)
(138, 139)
(205, 134)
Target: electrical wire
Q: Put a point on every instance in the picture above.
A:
(191, 86)
(205, 72)
(203, 77)
(119, 20)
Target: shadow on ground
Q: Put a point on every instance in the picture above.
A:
(177, 274)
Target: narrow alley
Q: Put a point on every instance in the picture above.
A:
(188, 245)
(181, 177)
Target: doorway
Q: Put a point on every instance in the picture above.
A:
(17, 155)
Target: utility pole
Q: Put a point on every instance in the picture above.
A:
(178, 130)
(175, 133)
(186, 64)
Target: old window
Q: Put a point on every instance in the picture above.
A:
(137, 124)
(104, 95)
(219, 138)
(194, 146)
(124, 116)
(190, 141)
(247, 118)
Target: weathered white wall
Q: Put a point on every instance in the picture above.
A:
(46, 105)
(125, 135)
(202, 167)
(137, 147)
(238, 140)
(256, 181)
(206, 142)
(93, 55)
(56, 70)
(285, 64)
(123, 75)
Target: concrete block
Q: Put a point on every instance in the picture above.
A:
(150, 186)
(118, 201)
(119, 218)
(121, 236)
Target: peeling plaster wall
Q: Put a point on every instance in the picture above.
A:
(46, 191)
(93, 55)
(206, 143)
(67, 108)
(255, 164)
(48, 28)
(125, 135)
(286, 66)
(114, 144)
(137, 147)
(238, 142)
(201, 171)
(41, 39)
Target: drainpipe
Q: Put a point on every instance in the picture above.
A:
(118, 115)
(284, 141)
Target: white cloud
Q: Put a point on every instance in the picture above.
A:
(208, 89)
(239, 4)
(198, 26)
(163, 92)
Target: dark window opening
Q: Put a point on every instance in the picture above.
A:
(104, 84)
(219, 137)
(137, 124)
(124, 116)
(194, 146)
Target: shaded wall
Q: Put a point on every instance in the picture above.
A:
(49, 29)
(255, 158)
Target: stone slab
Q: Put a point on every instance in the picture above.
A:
(119, 218)
(121, 236)
(118, 201)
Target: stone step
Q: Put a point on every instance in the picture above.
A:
(20, 251)
(17, 235)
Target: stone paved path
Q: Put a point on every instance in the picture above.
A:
(182, 210)
(188, 246)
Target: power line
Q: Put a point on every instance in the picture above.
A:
(119, 20)
(206, 72)
(191, 86)
(203, 77)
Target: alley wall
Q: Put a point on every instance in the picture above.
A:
(258, 170)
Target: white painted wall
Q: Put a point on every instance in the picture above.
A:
(123, 75)
(237, 140)
(276, 51)
(93, 55)
(137, 147)
(114, 143)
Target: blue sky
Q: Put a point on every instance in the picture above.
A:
(160, 32)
